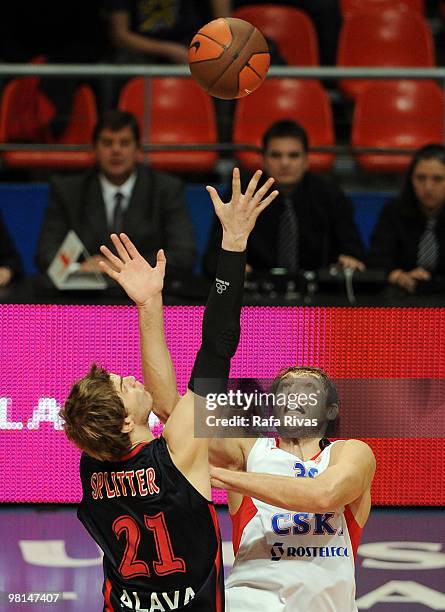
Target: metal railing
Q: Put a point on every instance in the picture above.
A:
(152, 70)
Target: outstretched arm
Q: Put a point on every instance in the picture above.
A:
(342, 483)
(221, 322)
(143, 284)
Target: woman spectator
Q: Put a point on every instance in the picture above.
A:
(409, 237)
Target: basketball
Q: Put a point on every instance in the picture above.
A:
(229, 58)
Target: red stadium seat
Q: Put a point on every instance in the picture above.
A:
(303, 101)
(173, 110)
(397, 114)
(291, 29)
(350, 6)
(24, 116)
(387, 38)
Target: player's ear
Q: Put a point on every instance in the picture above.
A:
(332, 412)
(128, 425)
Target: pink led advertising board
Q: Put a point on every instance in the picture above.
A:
(44, 349)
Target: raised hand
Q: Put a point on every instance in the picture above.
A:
(134, 274)
(238, 217)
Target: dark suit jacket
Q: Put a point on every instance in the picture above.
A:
(395, 240)
(8, 255)
(155, 218)
(326, 228)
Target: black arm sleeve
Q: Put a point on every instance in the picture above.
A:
(221, 326)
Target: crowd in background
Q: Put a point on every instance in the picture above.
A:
(310, 226)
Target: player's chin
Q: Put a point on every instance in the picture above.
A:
(291, 433)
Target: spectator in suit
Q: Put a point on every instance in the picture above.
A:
(409, 237)
(10, 262)
(310, 225)
(118, 194)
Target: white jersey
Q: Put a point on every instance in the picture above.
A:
(291, 561)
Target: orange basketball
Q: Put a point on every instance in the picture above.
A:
(229, 58)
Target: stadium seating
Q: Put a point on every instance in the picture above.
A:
(387, 38)
(303, 101)
(350, 6)
(173, 110)
(24, 116)
(291, 29)
(397, 114)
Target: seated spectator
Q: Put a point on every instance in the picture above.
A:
(159, 31)
(310, 225)
(409, 237)
(118, 195)
(10, 262)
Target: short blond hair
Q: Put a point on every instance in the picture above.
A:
(94, 415)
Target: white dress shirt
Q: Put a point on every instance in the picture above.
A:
(109, 192)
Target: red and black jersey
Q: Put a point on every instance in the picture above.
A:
(159, 535)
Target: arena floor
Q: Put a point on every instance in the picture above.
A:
(400, 566)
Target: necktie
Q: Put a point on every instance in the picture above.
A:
(428, 250)
(118, 213)
(288, 237)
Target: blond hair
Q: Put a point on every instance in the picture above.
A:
(94, 415)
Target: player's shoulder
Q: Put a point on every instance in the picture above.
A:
(354, 448)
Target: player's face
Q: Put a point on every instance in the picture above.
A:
(137, 400)
(116, 154)
(429, 184)
(305, 399)
(285, 160)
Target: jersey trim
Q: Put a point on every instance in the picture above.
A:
(240, 519)
(107, 596)
(354, 529)
(181, 475)
(134, 451)
(218, 594)
(277, 442)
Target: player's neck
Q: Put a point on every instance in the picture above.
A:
(303, 448)
(140, 433)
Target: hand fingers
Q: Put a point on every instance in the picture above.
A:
(236, 184)
(115, 261)
(111, 273)
(121, 250)
(420, 274)
(216, 200)
(409, 284)
(265, 203)
(131, 249)
(253, 184)
(264, 189)
(161, 260)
